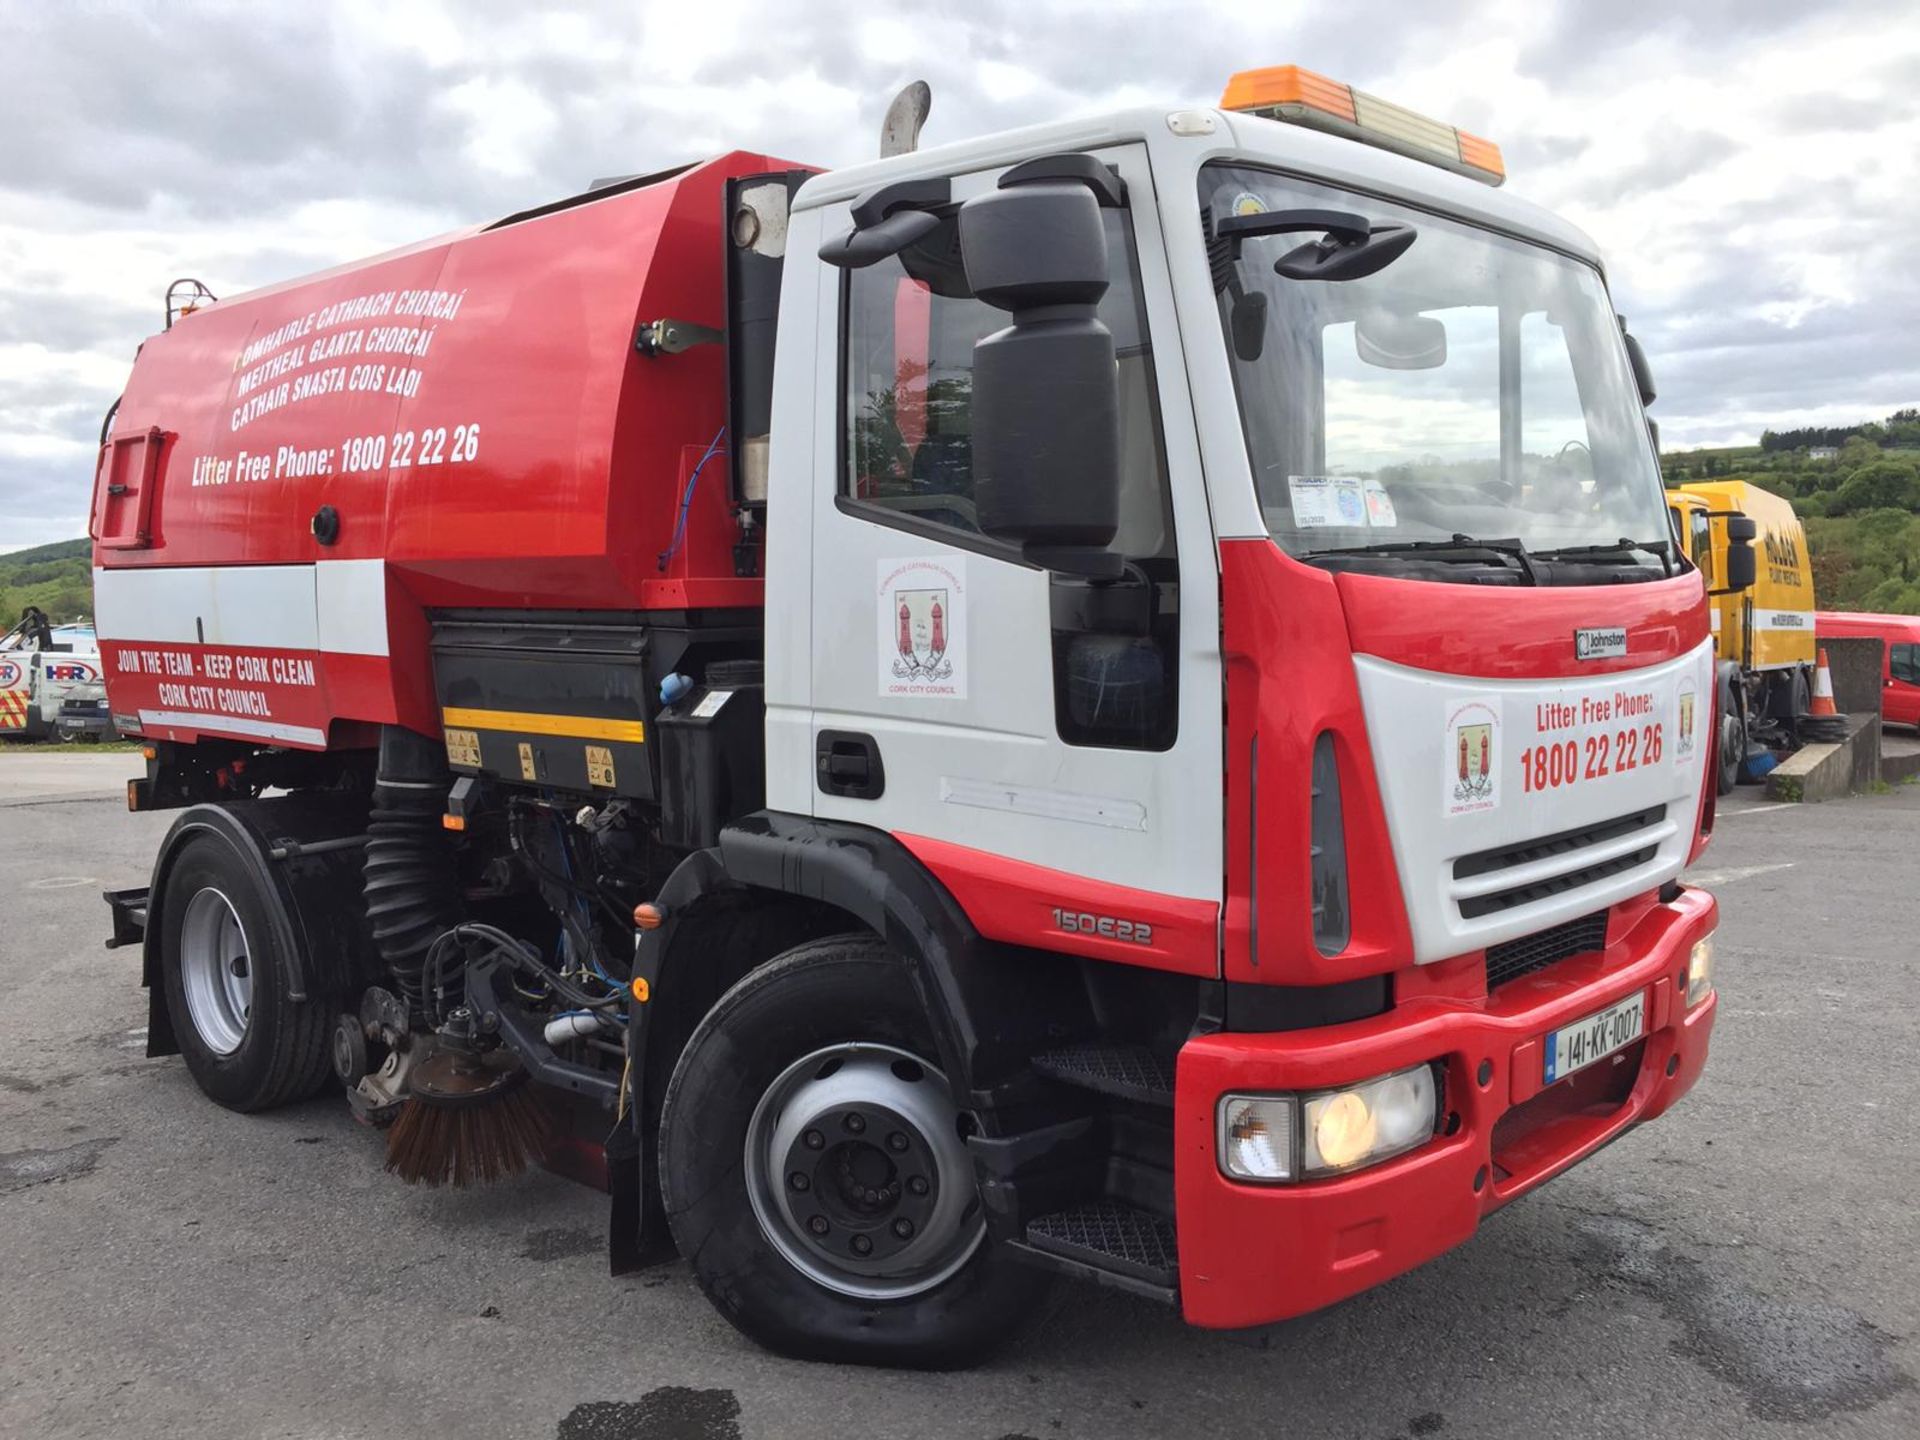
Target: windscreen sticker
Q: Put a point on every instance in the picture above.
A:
(1380, 505)
(922, 614)
(1320, 501)
(1312, 501)
(1470, 763)
(1349, 502)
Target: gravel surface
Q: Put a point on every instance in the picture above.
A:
(1748, 1265)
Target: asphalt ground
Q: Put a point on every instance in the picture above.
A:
(1749, 1265)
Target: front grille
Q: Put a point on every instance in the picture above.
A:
(1511, 959)
(1567, 843)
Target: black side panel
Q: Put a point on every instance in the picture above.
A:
(567, 701)
(306, 851)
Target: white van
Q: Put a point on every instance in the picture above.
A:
(51, 682)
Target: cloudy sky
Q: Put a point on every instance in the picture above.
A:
(1751, 167)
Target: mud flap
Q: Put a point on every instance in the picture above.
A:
(626, 1250)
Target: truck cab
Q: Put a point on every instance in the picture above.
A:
(1752, 549)
(1392, 558)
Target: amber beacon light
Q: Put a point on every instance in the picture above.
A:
(1300, 97)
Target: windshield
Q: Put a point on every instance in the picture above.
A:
(1474, 386)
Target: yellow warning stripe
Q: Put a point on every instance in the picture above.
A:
(529, 722)
(13, 709)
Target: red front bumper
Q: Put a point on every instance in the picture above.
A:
(1251, 1254)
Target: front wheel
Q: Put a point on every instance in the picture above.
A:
(816, 1175)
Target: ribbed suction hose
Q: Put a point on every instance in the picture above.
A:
(413, 894)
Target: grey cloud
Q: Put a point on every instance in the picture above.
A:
(212, 123)
(1679, 158)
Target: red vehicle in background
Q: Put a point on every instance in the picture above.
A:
(1899, 662)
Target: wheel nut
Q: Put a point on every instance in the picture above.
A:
(862, 1245)
(903, 1227)
(798, 1180)
(814, 1140)
(856, 1124)
(918, 1184)
(896, 1142)
(818, 1224)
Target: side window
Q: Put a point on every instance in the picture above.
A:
(1904, 662)
(907, 393)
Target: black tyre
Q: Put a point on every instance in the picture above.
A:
(814, 1174)
(1732, 750)
(246, 1044)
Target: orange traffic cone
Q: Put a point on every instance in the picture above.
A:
(1822, 688)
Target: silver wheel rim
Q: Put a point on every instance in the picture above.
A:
(216, 971)
(858, 1175)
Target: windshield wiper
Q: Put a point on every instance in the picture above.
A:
(1622, 547)
(1465, 546)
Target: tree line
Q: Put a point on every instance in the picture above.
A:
(1861, 506)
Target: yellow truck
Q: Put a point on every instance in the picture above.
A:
(1751, 547)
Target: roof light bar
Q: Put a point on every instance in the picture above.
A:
(1300, 97)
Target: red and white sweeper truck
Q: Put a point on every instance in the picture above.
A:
(1111, 700)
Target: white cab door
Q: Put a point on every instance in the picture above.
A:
(934, 646)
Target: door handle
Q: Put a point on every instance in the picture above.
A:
(847, 763)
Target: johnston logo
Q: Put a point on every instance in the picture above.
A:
(1603, 643)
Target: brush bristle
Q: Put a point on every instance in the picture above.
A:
(439, 1144)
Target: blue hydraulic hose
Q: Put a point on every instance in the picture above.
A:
(686, 500)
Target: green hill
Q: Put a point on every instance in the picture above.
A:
(58, 578)
(1857, 488)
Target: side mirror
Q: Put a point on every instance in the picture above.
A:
(1046, 390)
(1741, 562)
(1637, 359)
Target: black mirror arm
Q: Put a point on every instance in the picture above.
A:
(888, 219)
(1342, 225)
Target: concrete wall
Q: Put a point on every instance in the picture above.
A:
(1826, 772)
(1856, 665)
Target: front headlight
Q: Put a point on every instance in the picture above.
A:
(1367, 1123)
(1700, 970)
(1337, 1130)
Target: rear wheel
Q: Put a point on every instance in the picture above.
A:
(815, 1172)
(246, 1044)
(1733, 750)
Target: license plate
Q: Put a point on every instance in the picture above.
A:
(1576, 1046)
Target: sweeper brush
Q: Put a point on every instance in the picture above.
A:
(471, 1118)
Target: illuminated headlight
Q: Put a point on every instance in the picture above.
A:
(1336, 1130)
(1367, 1123)
(1700, 970)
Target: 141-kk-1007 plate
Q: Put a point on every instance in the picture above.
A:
(1596, 1036)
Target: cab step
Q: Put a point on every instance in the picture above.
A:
(1112, 1239)
(1131, 1072)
